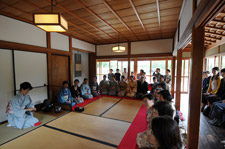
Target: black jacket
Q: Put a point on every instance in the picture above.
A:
(75, 93)
(142, 87)
(221, 91)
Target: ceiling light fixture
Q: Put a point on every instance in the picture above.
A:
(50, 22)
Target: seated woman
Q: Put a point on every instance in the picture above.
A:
(160, 108)
(94, 87)
(142, 87)
(122, 86)
(20, 109)
(65, 94)
(131, 87)
(104, 84)
(214, 85)
(75, 92)
(165, 133)
(112, 90)
(85, 90)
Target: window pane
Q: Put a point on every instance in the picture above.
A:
(145, 65)
(113, 65)
(186, 67)
(182, 71)
(159, 64)
(105, 67)
(211, 64)
(223, 61)
(97, 67)
(217, 62)
(186, 84)
(131, 66)
(120, 66)
(169, 65)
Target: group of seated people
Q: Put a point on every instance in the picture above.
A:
(213, 96)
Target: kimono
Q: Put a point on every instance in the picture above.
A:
(131, 89)
(168, 79)
(94, 89)
(157, 75)
(104, 84)
(65, 95)
(122, 86)
(110, 76)
(112, 90)
(17, 115)
(86, 91)
(76, 95)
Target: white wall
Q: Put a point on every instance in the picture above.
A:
(185, 16)
(212, 51)
(85, 66)
(186, 54)
(79, 44)
(20, 32)
(6, 79)
(59, 41)
(104, 50)
(152, 46)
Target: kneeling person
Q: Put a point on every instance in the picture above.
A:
(85, 90)
(94, 87)
(65, 94)
(112, 87)
(20, 109)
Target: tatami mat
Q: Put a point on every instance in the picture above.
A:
(125, 110)
(103, 129)
(46, 138)
(100, 105)
(8, 133)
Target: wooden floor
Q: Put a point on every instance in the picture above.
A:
(210, 136)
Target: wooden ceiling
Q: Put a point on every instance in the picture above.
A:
(101, 21)
(215, 30)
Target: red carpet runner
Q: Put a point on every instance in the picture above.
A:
(138, 125)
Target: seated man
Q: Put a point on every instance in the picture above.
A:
(20, 109)
(94, 87)
(65, 94)
(76, 93)
(205, 82)
(104, 84)
(131, 87)
(85, 90)
(112, 90)
(122, 86)
(142, 87)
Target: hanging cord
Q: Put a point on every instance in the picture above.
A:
(53, 3)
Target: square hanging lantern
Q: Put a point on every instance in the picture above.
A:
(50, 22)
(118, 48)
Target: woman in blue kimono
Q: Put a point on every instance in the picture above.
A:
(85, 90)
(65, 94)
(20, 109)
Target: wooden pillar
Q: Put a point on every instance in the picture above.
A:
(135, 68)
(178, 80)
(50, 90)
(173, 75)
(195, 96)
(129, 51)
(71, 60)
(92, 65)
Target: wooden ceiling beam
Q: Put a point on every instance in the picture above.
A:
(81, 19)
(218, 21)
(36, 6)
(210, 40)
(216, 34)
(118, 17)
(135, 11)
(213, 38)
(217, 28)
(98, 17)
(158, 11)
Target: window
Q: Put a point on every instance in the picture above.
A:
(159, 64)
(145, 65)
(223, 61)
